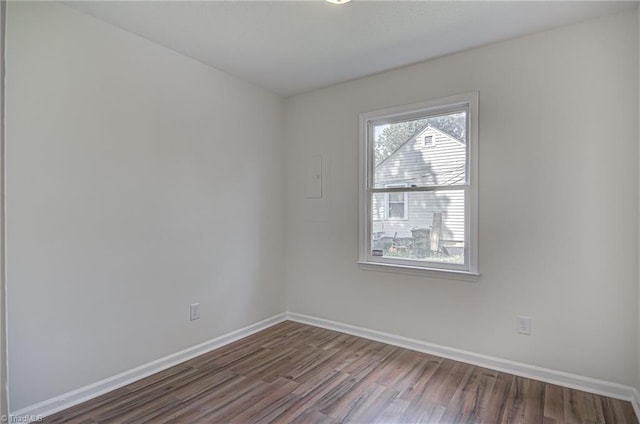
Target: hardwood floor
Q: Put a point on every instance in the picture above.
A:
(295, 373)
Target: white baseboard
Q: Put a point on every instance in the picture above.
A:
(635, 402)
(561, 378)
(69, 399)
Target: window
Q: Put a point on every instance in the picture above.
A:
(418, 198)
(428, 141)
(396, 205)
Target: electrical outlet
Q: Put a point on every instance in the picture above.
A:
(194, 310)
(524, 326)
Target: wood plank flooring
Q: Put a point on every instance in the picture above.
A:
(295, 373)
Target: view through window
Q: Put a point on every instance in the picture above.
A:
(418, 187)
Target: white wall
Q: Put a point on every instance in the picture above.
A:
(138, 181)
(558, 203)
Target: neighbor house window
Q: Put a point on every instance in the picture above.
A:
(396, 205)
(418, 198)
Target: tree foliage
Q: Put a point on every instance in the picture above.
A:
(394, 135)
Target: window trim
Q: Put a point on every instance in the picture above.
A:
(467, 271)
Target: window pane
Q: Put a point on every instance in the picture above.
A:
(396, 210)
(396, 197)
(403, 158)
(433, 230)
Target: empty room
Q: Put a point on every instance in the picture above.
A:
(320, 212)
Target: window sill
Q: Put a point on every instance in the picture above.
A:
(420, 271)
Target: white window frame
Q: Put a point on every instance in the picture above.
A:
(467, 271)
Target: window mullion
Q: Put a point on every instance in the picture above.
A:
(417, 189)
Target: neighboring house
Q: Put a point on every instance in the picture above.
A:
(430, 157)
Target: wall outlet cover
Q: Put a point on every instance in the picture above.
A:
(524, 325)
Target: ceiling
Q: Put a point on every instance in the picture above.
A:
(290, 47)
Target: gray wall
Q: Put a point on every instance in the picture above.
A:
(135, 186)
(558, 193)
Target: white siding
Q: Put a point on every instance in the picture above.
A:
(417, 164)
(422, 207)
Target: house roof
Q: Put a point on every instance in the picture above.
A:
(418, 134)
(413, 163)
